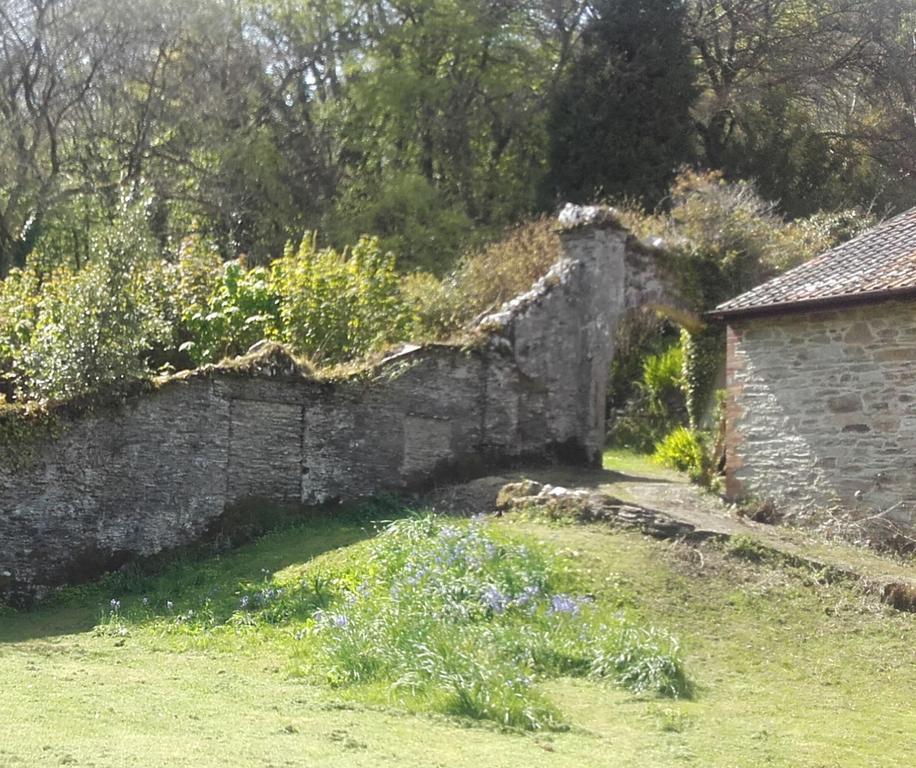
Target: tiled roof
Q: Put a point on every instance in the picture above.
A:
(880, 262)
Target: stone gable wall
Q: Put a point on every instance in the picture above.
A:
(822, 409)
(159, 471)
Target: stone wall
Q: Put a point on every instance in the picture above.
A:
(158, 471)
(822, 409)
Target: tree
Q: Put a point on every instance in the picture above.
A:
(812, 99)
(449, 96)
(52, 58)
(621, 124)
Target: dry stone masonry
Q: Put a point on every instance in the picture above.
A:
(822, 409)
(112, 484)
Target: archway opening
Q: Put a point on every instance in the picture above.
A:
(666, 390)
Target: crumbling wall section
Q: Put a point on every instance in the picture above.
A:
(157, 471)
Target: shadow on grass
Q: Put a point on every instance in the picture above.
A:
(186, 581)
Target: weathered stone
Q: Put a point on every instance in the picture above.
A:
(845, 403)
(837, 430)
(473, 497)
(859, 333)
(508, 494)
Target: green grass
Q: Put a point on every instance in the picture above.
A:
(787, 671)
(635, 464)
(463, 617)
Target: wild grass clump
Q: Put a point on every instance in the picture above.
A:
(483, 280)
(464, 620)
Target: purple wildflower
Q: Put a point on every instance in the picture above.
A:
(528, 595)
(564, 604)
(495, 600)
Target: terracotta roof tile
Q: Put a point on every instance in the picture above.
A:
(879, 261)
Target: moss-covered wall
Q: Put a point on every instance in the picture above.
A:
(115, 482)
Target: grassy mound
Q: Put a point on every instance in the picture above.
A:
(456, 617)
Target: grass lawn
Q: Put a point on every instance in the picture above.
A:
(628, 462)
(787, 672)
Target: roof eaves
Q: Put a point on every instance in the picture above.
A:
(812, 305)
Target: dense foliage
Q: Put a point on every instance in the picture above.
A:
(621, 125)
(720, 239)
(433, 123)
(130, 308)
(126, 312)
(67, 331)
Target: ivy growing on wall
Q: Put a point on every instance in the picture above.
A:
(703, 354)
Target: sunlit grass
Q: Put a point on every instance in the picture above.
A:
(787, 671)
(457, 617)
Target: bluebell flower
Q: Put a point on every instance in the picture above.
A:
(528, 595)
(495, 600)
(564, 604)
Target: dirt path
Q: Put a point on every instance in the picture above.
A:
(666, 505)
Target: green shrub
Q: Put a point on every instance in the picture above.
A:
(327, 305)
(662, 379)
(438, 309)
(242, 308)
(656, 403)
(87, 329)
(336, 306)
(19, 309)
(685, 450)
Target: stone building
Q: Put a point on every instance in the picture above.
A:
(821, 377)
